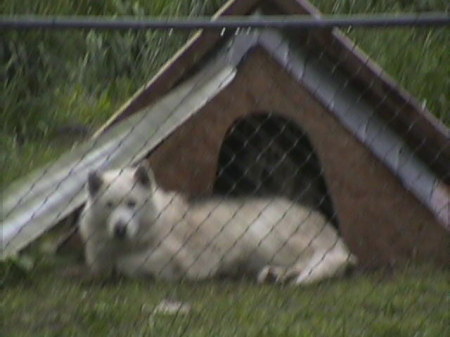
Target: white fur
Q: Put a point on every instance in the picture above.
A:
(167, 237)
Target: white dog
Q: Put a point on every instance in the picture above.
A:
(133, 227)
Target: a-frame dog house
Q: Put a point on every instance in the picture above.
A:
(363, 128)
(383, 158)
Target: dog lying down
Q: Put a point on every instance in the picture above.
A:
(131, 226)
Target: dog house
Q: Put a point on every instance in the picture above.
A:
(301, 114)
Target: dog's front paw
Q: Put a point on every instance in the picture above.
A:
(277, 274)
(271, 274)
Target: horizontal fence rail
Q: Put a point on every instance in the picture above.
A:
(235, 22)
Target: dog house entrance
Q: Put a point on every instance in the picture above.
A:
(265, 154)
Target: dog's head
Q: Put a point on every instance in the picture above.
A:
(122, 200)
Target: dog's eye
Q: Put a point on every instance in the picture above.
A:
(131, 203)
(109, 204)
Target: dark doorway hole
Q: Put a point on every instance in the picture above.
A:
(266, 154)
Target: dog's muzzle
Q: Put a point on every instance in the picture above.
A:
(120, 231)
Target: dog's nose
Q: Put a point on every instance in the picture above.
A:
(120, 230)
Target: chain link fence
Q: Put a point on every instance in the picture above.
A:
(267, 190)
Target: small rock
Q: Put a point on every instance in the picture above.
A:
(172, 307)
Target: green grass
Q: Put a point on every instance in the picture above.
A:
(409, 302)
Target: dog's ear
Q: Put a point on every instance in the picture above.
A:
(144, 176)
(95, 182)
